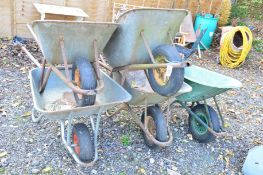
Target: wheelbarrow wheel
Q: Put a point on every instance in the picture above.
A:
(199, 132)
(157, 80)
(84, 77)
(83, 144)
(157, 126)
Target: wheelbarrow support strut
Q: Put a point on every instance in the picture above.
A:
(66, 139)
(198, 118)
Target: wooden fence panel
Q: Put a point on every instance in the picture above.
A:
(6, 9)
(15, 14)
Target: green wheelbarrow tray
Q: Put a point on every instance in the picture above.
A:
(126, 46)
(78, 38)
(206, 84)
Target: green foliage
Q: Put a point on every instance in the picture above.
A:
(122, 173)
(239, 11)
(240, 23)
(247, 8)
(2, 170)
(125, 140)
(258, 45)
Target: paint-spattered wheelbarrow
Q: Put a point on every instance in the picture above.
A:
(204, 123)
(143, 42)
(65, 93)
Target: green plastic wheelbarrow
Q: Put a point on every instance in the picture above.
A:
(204, 122)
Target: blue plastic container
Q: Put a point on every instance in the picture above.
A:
(206, 21)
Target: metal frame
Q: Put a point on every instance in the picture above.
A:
(144, 125)
(154, 65)
(66, 138)
(67, 79)
(132, 67)
(184, 105)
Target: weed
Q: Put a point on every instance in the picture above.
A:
(122, 173)
(258, 45)
(125, 140)
(239, 11)
(247, 8)
(2, 170)
(240, 23)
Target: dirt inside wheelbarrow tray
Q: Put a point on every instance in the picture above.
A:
(28, 148)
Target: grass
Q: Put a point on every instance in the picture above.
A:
(122, 173)
(247, 8)
(240, 23)
(258, 45)
(125, 140)
(2, 170)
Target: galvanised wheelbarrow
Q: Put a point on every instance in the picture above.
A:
(144, 62)
(204, 123)
(68, 92)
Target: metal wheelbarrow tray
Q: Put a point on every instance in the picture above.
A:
(204, 122)
(62, 42)
(130, 54)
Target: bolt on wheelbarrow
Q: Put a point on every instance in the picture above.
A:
(143, 61)
(63, 92)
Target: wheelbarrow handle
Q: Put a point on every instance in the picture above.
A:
(152, 66)
(75, 88)
(18, 41)
(31, 57)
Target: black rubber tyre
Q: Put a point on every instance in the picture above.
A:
(161, 132)
(199, 132)
(86, 80)
(176, 79)
(84, 145)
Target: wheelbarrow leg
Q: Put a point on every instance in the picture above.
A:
(170, 102)
(207, 112)
(33, 116)
(198, 118)
(146, 131)
(220, 115)
(67, 139)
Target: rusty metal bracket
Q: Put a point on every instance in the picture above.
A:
(96, 61)
(146, 131)
(171, 38)
(62, 46)
(147, 47)
(145, 112)
(44, 76)
(72, 86)
(220, 114)
(96, 65)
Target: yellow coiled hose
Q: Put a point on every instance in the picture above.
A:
(230, 55)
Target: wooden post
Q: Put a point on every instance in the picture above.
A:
(210, 7)
(12, 17)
